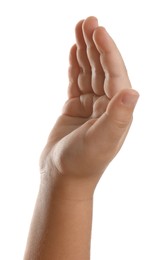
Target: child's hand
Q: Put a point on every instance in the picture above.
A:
(95, 119)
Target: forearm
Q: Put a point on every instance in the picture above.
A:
(61, 227)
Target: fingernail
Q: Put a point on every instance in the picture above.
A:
(130, 99)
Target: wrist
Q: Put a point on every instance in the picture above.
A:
(68, 188)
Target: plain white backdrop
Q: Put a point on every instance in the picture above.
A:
(35, 38)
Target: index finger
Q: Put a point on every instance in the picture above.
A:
(116, 77)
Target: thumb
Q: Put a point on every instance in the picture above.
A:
(109, 131)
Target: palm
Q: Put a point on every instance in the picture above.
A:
(96, 74)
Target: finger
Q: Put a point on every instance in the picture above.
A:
(108, 132)
(73, 73)
(97, 81)
(84, 78)
(116, 77)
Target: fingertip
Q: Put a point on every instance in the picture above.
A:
(91, 19)
(79, 24)
(99, 28)
(121, 107)
(130, 98)
(100, 36)
(79, 33)
(88, 26)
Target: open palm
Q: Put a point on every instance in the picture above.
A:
(98, 112)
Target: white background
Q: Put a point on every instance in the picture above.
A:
(35, 37)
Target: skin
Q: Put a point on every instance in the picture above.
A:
(86, 137)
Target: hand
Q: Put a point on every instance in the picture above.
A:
(98, 113)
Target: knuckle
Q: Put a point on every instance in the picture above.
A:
(122, 123)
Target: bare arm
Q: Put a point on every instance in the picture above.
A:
(61, 228)
(87, 136)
